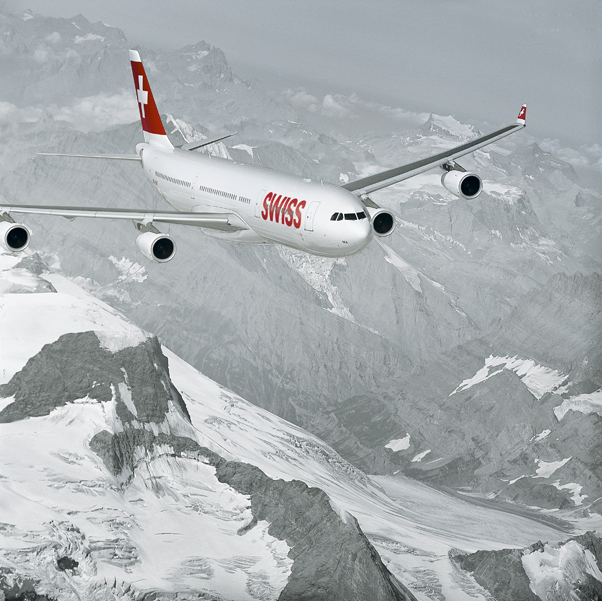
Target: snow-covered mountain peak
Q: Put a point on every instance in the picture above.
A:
(174, 517)
(447, 126)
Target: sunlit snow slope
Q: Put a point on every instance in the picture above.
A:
(166, 522)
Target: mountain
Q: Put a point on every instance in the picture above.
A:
(127, 474)
(110, 492)
(570, 570)
(462, 350)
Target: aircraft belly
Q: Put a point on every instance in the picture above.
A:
(242, 236)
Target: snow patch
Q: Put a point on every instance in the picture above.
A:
(575, 489)
(126, 397)
(409, 273)
(129, 271)
(540, 436)
(316, 272)
(508, 194)
(90, 37)
(584, 403)
(545, 469)
(246, 148)
(453, 126)
(5, 402)
(401, 444)
(36, 319)
(421, 456)
(537, 378)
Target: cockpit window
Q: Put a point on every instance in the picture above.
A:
(340, 217)
(334, 217)
(351, 216)
(361, 215)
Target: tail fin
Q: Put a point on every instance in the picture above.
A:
(522, 116)
(154, 132)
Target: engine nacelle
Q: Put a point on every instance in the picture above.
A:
(14, 237)
(462, 183)
(156, 247)
(383, 222)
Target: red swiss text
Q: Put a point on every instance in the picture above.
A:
(282, 209)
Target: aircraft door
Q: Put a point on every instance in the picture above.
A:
(258, 202)
(193, 190)
(309, 217)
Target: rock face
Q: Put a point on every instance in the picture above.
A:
(331, 557)
(77, 366)
(347, 566)
(482, 417)
(567, 571)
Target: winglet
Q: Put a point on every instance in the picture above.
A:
(522, 116)
(154, 132)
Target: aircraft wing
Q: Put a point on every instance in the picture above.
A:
(228, 222)
(116, 157)
(398, 174)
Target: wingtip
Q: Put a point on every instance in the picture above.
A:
(134, 56)
(522, 115)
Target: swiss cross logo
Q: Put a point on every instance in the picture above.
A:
(142, 95)
(151, 121)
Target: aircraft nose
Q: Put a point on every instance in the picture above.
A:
(359, 234)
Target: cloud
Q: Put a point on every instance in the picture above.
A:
(95, 113)
(300, 99)
(329, 107)
(12, 113)
(92, 113)
(54, 38)
(41, 55)
(332, 108)
(586, 156)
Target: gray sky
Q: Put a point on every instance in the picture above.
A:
(475, 59)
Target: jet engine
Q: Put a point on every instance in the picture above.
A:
(14, 237)
(462, 183)
(156, 247)
(383, 222)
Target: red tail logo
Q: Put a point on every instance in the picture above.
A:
(149, 115)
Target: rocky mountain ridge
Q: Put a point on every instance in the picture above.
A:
(148, 445)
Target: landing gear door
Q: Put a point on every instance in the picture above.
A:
(309, 216)
(258, 203)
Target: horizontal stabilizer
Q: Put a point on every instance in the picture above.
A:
(200, 143)
(116, 157)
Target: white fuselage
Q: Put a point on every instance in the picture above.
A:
(276, 207)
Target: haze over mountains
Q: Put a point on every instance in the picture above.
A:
(464, 350)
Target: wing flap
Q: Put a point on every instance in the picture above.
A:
(399, 174)
(228, 222)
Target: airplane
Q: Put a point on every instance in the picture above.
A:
(250, 204)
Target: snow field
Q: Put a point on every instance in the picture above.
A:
(537, 378)
(412, 526)
(173, 527)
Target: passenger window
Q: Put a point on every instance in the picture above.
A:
(351, 216)
(334, 217)
(361, 215)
